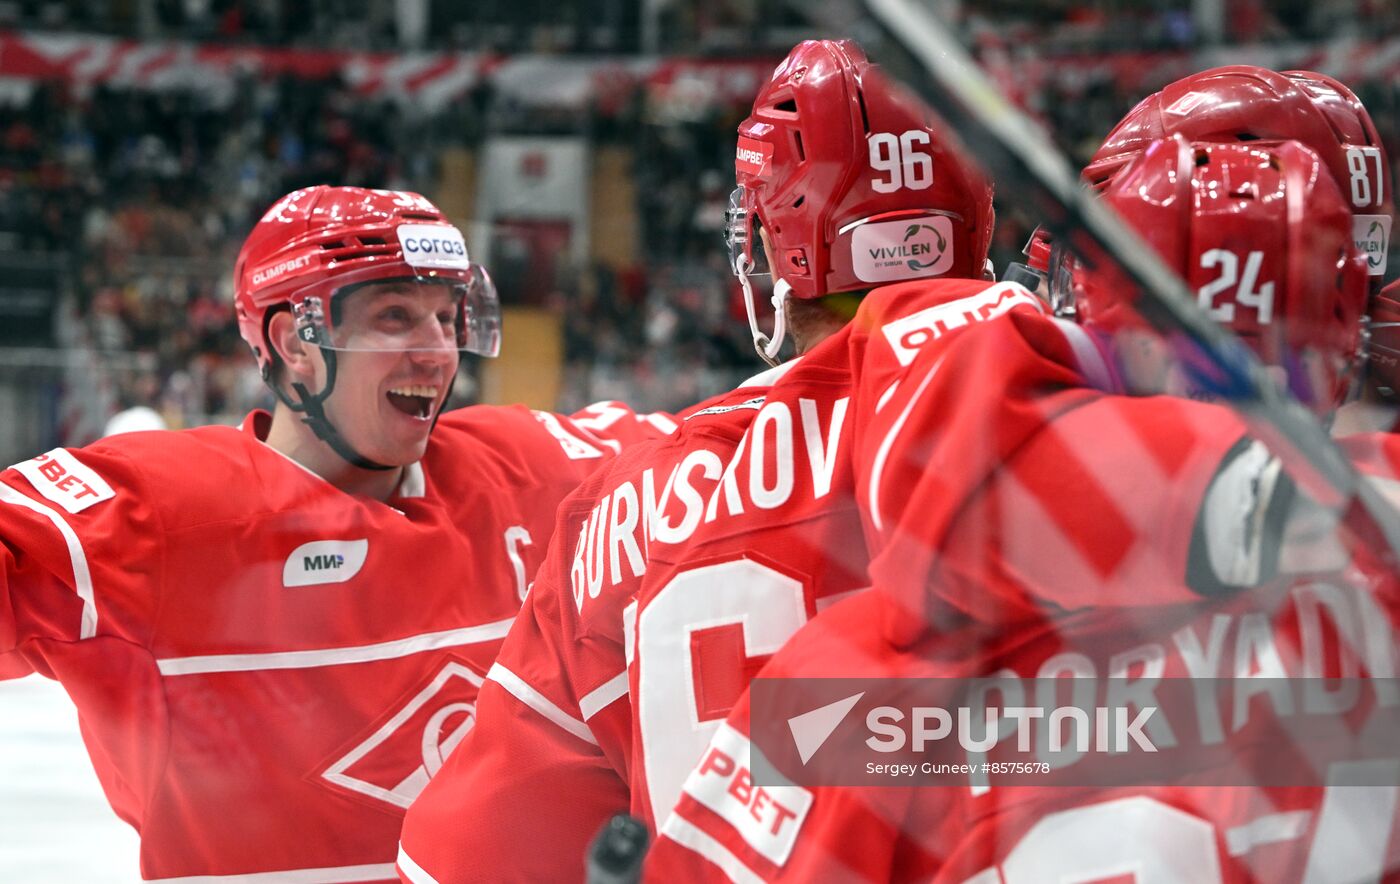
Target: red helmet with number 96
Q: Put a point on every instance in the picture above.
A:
(845, 174)
(1262, 233)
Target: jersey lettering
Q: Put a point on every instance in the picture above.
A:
(762, 475)
(65, 480)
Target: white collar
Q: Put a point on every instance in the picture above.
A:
(771, 376)
(413, 483)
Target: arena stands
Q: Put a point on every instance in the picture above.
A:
(131, 167)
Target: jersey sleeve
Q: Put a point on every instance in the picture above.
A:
(532, 765)
(80, 554)
(616, 425)
(997, 465)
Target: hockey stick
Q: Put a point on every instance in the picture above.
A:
(1013, 153)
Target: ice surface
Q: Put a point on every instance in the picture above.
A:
(55, 826)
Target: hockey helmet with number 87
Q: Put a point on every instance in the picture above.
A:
(1261, 233)
(1245, 103)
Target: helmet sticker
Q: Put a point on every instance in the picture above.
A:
(1372, 235)
(753, 156)
(268, 274)
(906, 249)
(433, 245)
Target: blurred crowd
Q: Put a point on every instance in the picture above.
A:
(1104, 26)
(143, 198)
(610, 26)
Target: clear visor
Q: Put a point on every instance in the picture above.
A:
(439, 311)
(745, 259)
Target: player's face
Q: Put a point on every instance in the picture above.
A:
(396, 354)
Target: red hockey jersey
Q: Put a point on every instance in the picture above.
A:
(267, 669)
(1177, 833)
(1024, 518)
(672, 578)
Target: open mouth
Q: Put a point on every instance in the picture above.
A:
(416, 400)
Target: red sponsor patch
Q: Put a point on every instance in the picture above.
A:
(753, 157)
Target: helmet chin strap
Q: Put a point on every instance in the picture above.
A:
(767, 347)
(312, 405)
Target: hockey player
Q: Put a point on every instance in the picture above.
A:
(1243, 103)
(679, 569)
(275, 634)
(1247, 103)
(1073, 531)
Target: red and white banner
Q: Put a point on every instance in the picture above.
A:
(426, 79)
(679, 86)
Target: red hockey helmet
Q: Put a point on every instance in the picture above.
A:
(1261, 232)
(1248, 103)
(845, 173)
(317, 244)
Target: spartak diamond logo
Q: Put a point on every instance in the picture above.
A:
(395, 762)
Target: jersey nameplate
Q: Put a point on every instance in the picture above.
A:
(60, 477)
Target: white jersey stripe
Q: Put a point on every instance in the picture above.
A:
(340, 875)
(539, 702)
(411, 870)
(1090, 359)
(390, 650)
(82, 577)
(1265, 830)
(600, 698)
(883, 453)
(687, 835)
